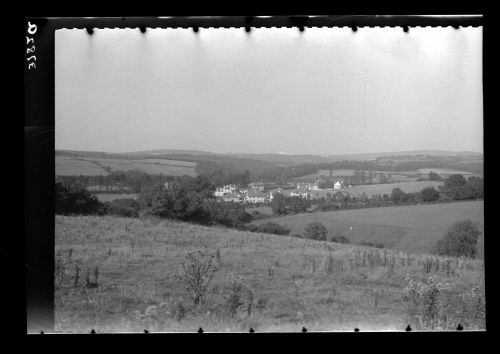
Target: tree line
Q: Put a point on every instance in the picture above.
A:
(454, 188)
(191, 199)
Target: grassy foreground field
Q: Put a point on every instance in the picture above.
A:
(413, 228)
(129, 266)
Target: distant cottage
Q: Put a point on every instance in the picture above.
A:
(221, 191)
(256, 196)
(300, 192)
(232, 197)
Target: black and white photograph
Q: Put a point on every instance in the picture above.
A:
(269, 179)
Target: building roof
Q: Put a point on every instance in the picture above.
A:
(232, 195)
(281, 191)
(252, 193)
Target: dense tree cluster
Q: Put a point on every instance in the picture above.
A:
(128, 181)
(282, 205)
(434, 176)
(126, 207)
(458, 188)
(267, 228)
(75, 200)
(429, 194)
(315, 231)
(460, 240)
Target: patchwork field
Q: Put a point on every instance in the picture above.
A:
(407, 187)
(68, 166)
(90, 166)
(120, 274)
(413, 228)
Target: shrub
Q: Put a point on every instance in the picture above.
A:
(237, 295)
(398, 196)
(422, 302)
(431, 305)
(262, 304)
(196, 273)
(429, 194)
(434, 176)
(460, 240)
(273, 228)
(372, 244)
(458, 188)
(249, 227)
(123, 207)
(340, 239)
(75, 200)
(315, 231)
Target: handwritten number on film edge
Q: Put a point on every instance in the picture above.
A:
(32, 28)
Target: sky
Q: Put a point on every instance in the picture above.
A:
(323, 91)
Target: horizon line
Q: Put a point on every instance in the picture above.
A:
(275, 153)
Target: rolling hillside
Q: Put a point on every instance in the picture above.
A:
(130, 267)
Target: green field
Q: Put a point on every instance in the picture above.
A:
(413, 228)
(68, 166)
(89, 166)
(386, 188)
(294, 282)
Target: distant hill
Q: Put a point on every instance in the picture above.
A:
(239, 162)
(298, 159)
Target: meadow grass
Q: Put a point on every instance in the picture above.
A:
(294, 282)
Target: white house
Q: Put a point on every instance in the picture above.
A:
(232, 197)
(299, 192)
(256, 186)
(337, 185)
(221, 191)
(256, 196)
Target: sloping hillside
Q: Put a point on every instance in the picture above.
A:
(119, 274)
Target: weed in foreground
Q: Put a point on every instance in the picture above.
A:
(196, 273)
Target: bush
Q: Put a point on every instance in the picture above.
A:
(340, 239)
(273, 228)
(237, 295)
(315, 231)
(398, 196)
(433, 305)
(123, 207)
(422, 302)
(75, 200)
(372, 244)
(434, 176)
(196, 273)
(460, 240)
(458, 188)
(429, 194)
